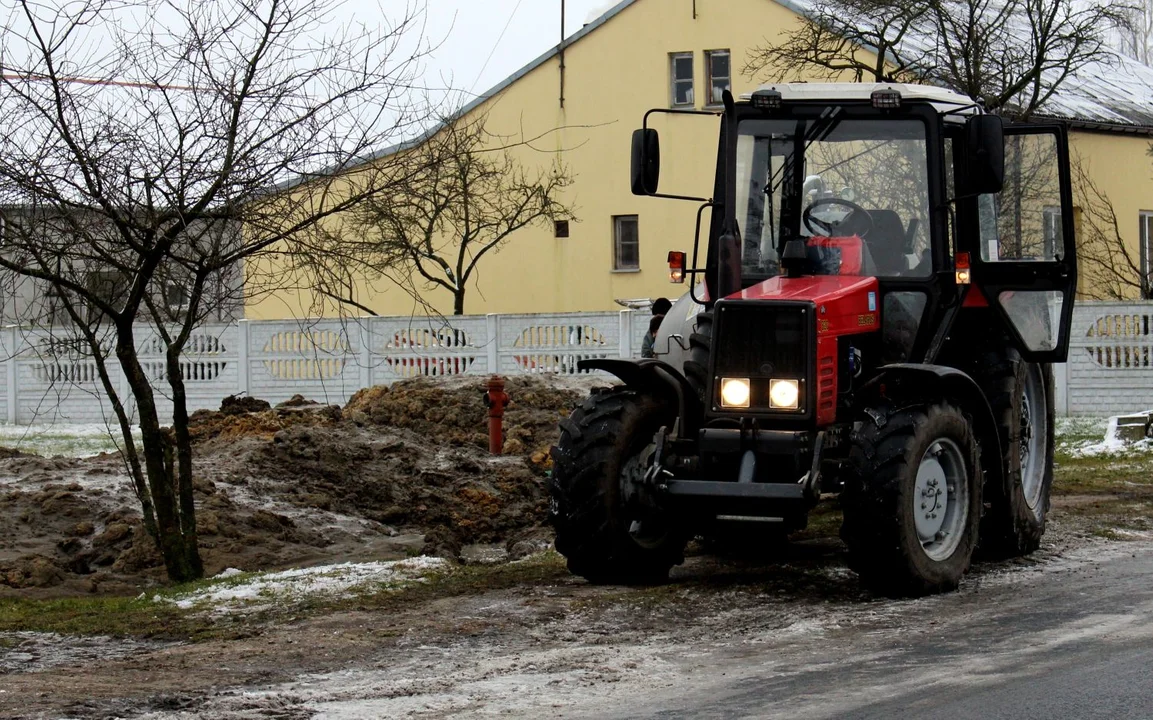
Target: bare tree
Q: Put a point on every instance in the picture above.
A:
(1136, 34)
(152, 145)
(467, 198)
(1011, 55)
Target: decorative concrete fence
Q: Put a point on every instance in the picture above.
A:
(48, 378)
(1110, 367)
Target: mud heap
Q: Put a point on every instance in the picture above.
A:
(400, 470)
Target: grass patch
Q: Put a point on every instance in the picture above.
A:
(1106, 493)
(456, 580)
(113, 616)
(145, 617)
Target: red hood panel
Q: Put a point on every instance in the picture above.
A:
(814, 288)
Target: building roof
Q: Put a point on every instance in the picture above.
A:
(1115, 96)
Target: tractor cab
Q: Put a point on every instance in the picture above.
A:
(888, 272)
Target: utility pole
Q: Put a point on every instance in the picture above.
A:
(560, 54)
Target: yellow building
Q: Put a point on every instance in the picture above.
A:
(644, 54)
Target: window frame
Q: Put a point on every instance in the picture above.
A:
(709, 77)
(618, 244)
(1145, 249)
(674, 80)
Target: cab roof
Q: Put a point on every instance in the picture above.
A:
(833, 92)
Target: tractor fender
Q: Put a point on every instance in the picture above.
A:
(658, 378)
(910, 380)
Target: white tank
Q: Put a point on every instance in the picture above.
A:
(672, 343)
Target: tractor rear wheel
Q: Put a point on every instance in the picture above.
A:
(912, 499)
(1021, 396)
(607, 524)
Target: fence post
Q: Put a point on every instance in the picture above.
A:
(366, 352)
(492, 330)
(242, 340)
(1061, 388)
(10, 375)
(626, 333)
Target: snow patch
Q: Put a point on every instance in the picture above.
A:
(1112, 444)
(68, 440)
(246, 593)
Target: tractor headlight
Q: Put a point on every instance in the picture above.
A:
(735, 392)
(784, 394)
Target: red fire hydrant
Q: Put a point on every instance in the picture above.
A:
(496, 399)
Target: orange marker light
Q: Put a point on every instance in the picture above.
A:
(676, 266)
(962, 265)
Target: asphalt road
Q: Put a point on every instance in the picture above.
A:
(1073, 642)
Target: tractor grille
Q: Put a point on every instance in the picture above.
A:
(764, 341)
(761, 340)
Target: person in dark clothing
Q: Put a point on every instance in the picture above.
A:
(647, 349)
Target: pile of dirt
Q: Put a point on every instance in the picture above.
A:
(413, 457)
(222, 426)
(69, 524)
(454, 414)
(400, 470)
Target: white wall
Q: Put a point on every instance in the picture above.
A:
(323, 360)
(1110, 368)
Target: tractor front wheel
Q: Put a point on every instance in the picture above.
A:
(608, 525)
(912, 499)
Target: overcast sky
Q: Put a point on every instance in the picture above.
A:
(470, 30)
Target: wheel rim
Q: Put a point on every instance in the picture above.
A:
(645, 527)
(1034, 433)
(941, 499)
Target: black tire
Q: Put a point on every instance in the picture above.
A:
(588, 508)
(882, 496)
(1017, 507)
(700, 345)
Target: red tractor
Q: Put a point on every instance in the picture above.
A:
(889, 273)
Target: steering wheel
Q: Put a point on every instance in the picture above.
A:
(820, 227)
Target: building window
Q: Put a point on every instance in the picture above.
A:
(626, 243)
(681, 73)
(54, 311)
(175, 297)
(560, 228)
(1145, 233)
(720, 74)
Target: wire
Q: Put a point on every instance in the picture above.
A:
(496, 45)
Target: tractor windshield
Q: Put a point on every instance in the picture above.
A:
(855, 189)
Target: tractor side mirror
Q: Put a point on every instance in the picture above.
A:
(646, 166)
(986, 161)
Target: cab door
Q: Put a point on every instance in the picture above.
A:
(1026, 266)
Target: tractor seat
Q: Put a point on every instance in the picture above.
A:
(887, 242)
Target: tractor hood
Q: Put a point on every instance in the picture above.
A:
(845, 304)
(813, 288)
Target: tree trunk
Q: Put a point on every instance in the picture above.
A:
(183, 461)
(181, 557)
(458, 302)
